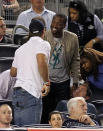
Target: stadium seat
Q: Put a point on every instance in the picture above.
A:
(7, 50)
(20, 39)
(99, 105)
(5, 63)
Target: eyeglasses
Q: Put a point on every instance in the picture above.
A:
(3, 26)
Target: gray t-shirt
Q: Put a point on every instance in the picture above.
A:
(57, 69)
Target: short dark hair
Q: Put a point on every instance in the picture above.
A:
(54, 112)
(62, 16)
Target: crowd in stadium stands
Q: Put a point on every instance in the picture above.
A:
(56, 72)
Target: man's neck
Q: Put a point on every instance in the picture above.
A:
(73, 117)
(4, 125)
(38, 10)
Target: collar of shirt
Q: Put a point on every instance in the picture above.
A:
(43, 12)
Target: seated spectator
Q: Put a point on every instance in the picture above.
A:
(77, 109)
(82, 91)
(6, 85)
(3, 37)
(5, 116)
(55, 119)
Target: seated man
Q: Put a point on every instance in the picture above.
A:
(3, 37)
(6, 85)
(55, 119)
(5, 116)
(77, 109)
(82, 91)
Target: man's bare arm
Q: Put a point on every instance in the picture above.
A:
(42, 67)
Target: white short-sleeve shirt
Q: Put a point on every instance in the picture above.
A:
(25, 61)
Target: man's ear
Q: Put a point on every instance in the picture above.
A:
(72, 108)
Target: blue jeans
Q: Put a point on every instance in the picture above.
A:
(27, 108)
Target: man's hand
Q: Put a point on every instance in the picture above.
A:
(46, 89)
(86, 120)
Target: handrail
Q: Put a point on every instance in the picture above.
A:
(19, 26)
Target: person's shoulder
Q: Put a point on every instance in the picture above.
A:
(70, 34)
(47, 32)
(100, 66)
(25, 12)
(95, 16)
(47, 44)
(48, 35)
(91, 106)
(50, 12)
(7, 39)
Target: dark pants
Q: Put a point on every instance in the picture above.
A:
(58, 92)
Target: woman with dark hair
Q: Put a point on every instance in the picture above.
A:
(92, 71)
(87, 26)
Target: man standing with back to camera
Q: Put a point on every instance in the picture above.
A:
(31, 69)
